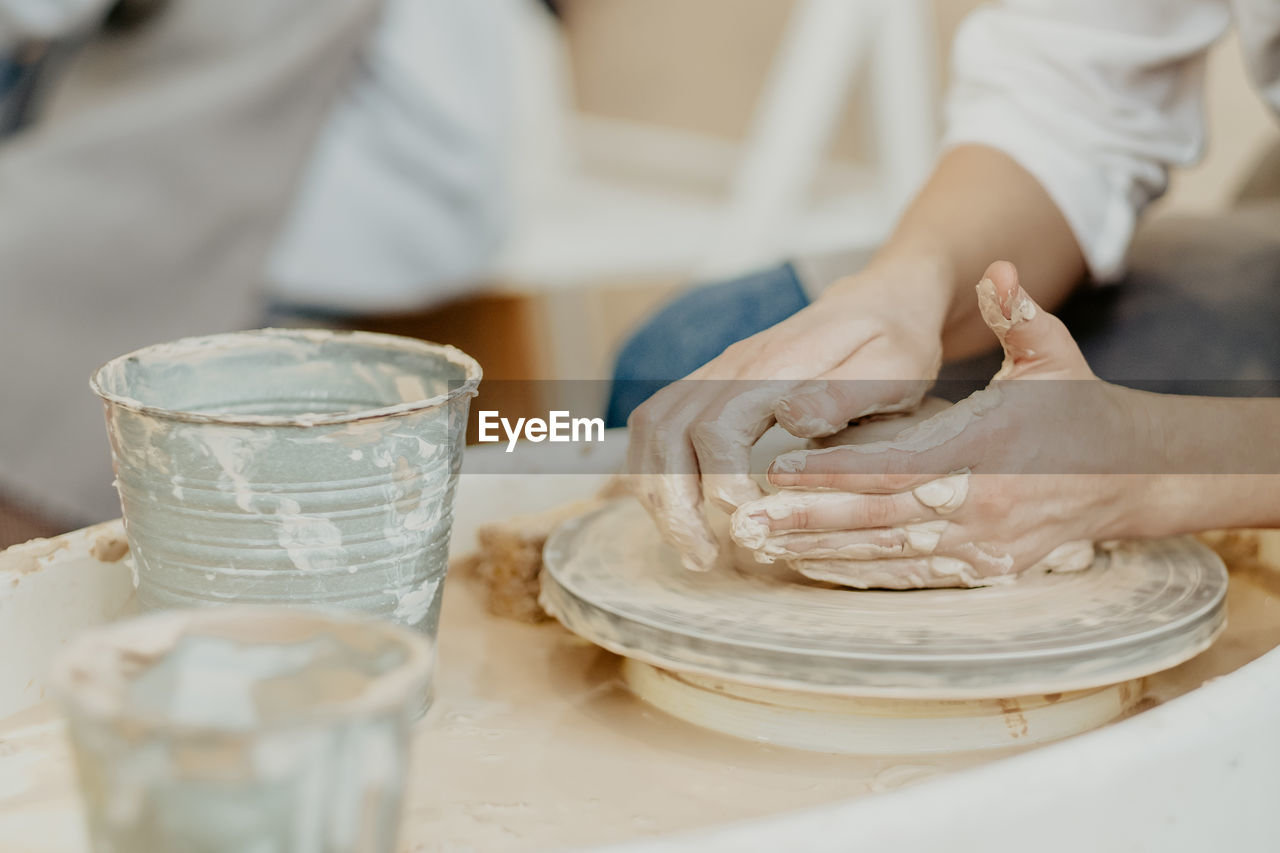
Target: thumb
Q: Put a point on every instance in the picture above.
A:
(1036, 344)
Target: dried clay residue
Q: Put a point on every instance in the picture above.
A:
(1243, 553)
(31, 557)
(1014, 719)
(109, 548)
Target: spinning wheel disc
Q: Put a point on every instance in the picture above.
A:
(1143, 607)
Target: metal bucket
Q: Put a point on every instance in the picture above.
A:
(290, 467)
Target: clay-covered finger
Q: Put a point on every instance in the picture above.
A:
(665, 479)
(904, 573)
(847, 393)
(944, 443)
(912, 540)
(794, 510)
(723, 437)
(1034, 341)
(674, 502)
(845, 469)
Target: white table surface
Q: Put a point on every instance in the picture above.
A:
(533, 707)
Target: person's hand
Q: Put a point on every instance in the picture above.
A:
(1007, 477)
(693, 438)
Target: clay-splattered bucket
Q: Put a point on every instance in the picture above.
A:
(243, 728)
(290, 467)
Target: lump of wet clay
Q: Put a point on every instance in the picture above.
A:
(509, 561)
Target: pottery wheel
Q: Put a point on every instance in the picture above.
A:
(1143, 607)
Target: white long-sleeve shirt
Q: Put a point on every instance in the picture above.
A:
(1099, 98)
(405, 201)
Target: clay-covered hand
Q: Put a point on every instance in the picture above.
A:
(692, 440)
(1015, 474)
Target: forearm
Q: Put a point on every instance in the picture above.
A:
(1221, 460)
(979, 206)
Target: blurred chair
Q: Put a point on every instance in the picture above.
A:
(603, 201)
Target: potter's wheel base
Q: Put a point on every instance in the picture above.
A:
(869, 726)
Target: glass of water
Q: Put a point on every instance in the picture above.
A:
(251, 729)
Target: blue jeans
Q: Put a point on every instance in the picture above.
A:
(696, 327)
(1198, 314)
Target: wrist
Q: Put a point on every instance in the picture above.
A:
(918, 281)
(1166, 494)
(1214, 463)
(1129, 439)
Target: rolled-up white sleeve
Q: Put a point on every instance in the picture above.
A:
(1095, 98)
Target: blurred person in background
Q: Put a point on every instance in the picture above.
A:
(196, 163)
(406, 199)
(1064, 118)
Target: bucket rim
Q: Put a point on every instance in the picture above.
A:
(467, 387)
